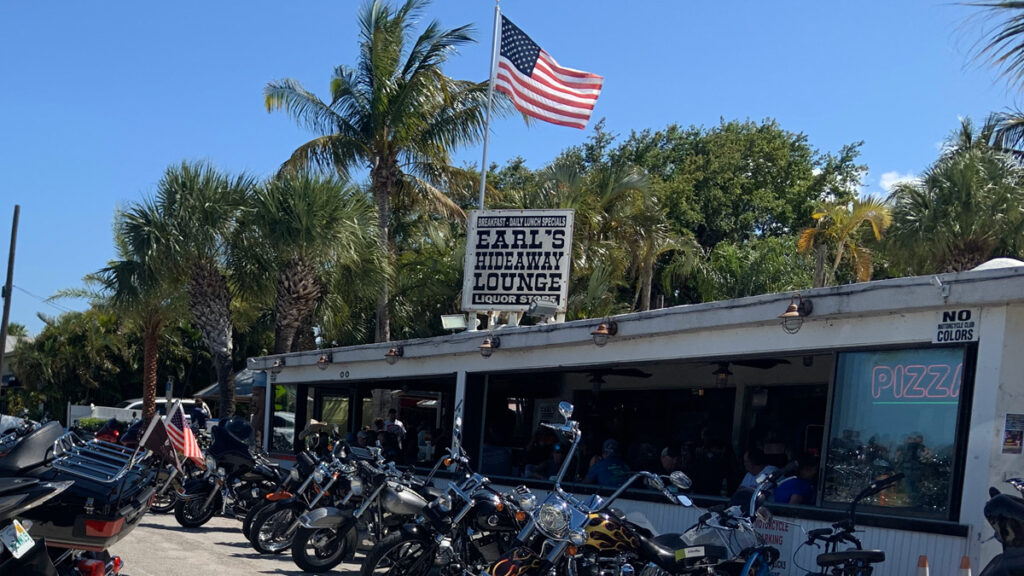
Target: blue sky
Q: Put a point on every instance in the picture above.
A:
(100, 97)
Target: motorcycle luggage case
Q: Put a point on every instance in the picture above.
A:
(110, 494)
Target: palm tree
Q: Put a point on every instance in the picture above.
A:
(1003, 46)
(197, 208)
(303, 233)
(396, 114)
(140, 286)
(968, 207)
(838, 227)
(17, 330)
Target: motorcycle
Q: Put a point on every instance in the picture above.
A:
(1005, 513)
(109, 490)
(274, 524)
(19, 552)
(462, 531)
(570, 536)
(235, 480)
(383, 498)
(296, 482)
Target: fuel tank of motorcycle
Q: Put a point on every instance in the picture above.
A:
(516, 562)
(605, 533)
(401, 500)
(491, 515)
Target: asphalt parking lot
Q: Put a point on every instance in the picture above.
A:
(160, 547)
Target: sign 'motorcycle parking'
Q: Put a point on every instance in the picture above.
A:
(514, 257)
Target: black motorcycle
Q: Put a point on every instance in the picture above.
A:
(20, 553)
(467, 528)
(381, 499)
(235, 478)
(327, 483)
(110, 491)
(1005, 513)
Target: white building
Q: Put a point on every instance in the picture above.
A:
(917, 375)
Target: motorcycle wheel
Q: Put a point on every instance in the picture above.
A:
(192, 513)
(270, 532)
(318, 549)
(250, 516)
(398, 555)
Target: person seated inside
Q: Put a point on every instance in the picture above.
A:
(802, 488)
(611, 469)
(755, 463)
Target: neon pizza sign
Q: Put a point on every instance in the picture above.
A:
(916, 383)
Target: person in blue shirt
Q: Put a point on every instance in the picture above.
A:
(611, 469)
(802, 488)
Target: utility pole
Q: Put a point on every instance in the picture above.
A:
(7, 304)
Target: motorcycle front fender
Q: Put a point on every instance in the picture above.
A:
(196, 489)
(326, 517)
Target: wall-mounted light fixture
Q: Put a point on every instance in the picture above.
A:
(277, 366)
(722, 374)
(793, 317)
(605, 330)
(323, 361)
(489, 345)
(394, 354)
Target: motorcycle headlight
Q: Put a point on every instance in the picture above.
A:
(527, 502)
(221, 472)
(553, 518)
(577, 538)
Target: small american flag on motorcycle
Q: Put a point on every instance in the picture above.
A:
(181, 435)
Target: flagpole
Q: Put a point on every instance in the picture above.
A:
(490, 98)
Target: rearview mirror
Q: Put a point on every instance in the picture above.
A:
(565, 409)
(684, 500)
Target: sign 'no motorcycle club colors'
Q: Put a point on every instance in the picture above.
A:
(514, 257)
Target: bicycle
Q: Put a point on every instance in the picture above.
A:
(852, 560)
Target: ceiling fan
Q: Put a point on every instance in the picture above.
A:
(597, 375)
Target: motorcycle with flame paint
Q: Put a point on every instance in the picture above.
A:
(569, 536)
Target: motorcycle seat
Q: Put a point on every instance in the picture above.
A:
(670, 552)
(16, 483)
(857, 556)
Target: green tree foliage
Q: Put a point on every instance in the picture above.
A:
(17, 330)
(840, 229)
(95, 357)
(304, 237)
(968, 207)
(740, 180)
(761, 266)
(396, 113)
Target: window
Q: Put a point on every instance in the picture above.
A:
(282, 433)
(896, 411)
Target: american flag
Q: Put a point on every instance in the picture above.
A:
(181, 435)
(538, 86)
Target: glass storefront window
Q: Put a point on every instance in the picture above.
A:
(282, 420)
(896, 411)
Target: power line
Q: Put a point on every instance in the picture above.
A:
(46, 301)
